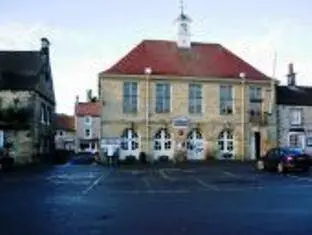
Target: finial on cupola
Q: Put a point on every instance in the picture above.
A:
(184, 33)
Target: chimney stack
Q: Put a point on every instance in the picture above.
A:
(89, 95)
(45, 44)
(291, 75)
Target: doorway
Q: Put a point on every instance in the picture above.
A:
(257, 144)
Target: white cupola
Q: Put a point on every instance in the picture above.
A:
(184, 32)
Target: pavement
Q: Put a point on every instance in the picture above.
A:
(221, 198)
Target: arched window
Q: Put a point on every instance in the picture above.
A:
(192, 138)
(226, 142)
(130, 140)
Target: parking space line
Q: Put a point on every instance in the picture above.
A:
(165, 176)
(96, 182)
(300, 178)
(205, 185)
(231, 174)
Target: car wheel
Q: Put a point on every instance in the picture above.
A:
(280, 168)
(260, 165)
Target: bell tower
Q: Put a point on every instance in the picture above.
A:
(184, 33)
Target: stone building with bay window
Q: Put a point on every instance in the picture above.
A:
(294, 113)
(199, 100)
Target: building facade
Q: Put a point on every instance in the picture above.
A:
(27, 103)
(65, 132)
(294, 114)
(87, 123)
(185, 99)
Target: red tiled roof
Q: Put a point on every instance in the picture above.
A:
(203, 60)
(88, 109)
(65, 122)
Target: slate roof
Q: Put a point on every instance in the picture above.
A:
(88, 109)
(201, 60)
(294, 95)
(19, 69)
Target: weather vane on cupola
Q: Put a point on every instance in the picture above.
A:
(184, 34)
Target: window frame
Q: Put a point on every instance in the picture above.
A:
(89, 118)
(229, 100)
(165, 100)
(195, 100)
(90, 133)
(299, 120)
(130, 101)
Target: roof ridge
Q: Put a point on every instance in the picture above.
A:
(18, 51)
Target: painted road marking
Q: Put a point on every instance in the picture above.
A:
(151, 191)
(300, 178)
(231, 174)
(96, 182)
(165, 176)
(205, 185)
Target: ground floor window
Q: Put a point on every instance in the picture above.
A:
(226, 143)
(309, 141)
(296, 140)
(162, 140)
(130, 140)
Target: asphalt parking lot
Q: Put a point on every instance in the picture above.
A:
(219, 198)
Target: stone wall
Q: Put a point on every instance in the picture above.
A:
(22, 145)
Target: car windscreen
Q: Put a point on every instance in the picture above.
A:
(291, 152)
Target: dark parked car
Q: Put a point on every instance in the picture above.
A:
(83, 158)
(283, 160)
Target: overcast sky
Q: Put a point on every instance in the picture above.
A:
(89, 36)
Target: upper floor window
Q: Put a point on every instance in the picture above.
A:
(88, 133)
(254, 100)
(130, 97)
(254, 94)
(195, 98)
(43, 113)
(87, 120)
(226, 99)
(295, 116)
(162, 98)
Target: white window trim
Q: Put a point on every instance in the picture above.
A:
(90, 135)
(233, 100)
(292, 121)
(202, 99)
(42, 114)
(137, 96)
(155, 96)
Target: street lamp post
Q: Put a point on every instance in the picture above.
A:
(243, 77)
(147, 72)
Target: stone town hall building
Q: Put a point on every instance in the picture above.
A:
(200, 100)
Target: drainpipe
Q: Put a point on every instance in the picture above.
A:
(147, 72)
(243, 77)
